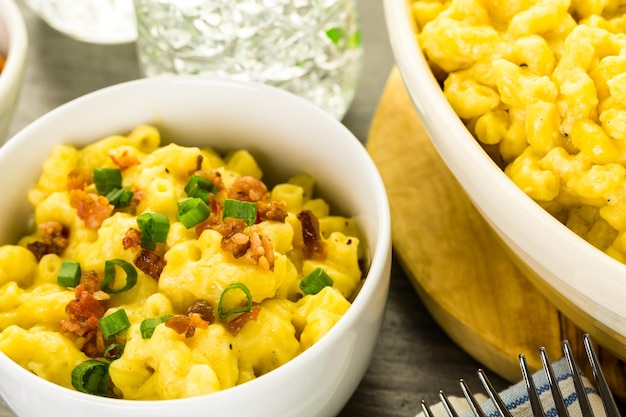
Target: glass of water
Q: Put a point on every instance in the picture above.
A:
(95, 21)
(311, 48)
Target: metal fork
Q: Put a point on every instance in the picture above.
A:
(608, 401)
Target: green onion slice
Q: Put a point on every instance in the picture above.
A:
(154, 228)
(113, 351)
(69, 274)
(200, 187)
(192, 211)
(110, 271)
(148, 325)
(91, 377)
(107, 179)
(335, 35)
(233, 287)
(355, 40)
(114, 324)
(120, 197)
(237, 209)
(315, 281)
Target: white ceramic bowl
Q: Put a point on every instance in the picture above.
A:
(14, 47)
(287, 135)
(584, 283)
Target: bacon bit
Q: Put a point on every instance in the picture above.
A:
(247, 188)
(214, 219)
(84, 312)
(54, 233)
(261, 251)
(187, 325)
(138, 195)
(94, 346)
(90, 282)
(204, 309)
(314, 247)
(131, 239)
(93, 209)
(255, 248)
(272, 210)
(54, 240)
(199, 160)
(230, 226)
(237, 243)
(197, 321)
(78, 179)
(124, 160)
(150, 263)
(236, 324)
(39, 249)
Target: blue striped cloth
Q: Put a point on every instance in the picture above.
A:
(516, 397)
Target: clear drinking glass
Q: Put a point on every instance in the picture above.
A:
(309, 47)
(95, 21)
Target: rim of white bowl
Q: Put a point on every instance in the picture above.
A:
(601, 297)
(18, 45)
(378, 267)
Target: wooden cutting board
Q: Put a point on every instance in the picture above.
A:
(455, 261)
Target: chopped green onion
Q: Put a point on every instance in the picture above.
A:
(69, 274)
(192, 211)
(315, 281)
(335, 34)
(113, 351)
(114, 324)
(244, 210)
(244, 309)
(91, 377)
(200, 187)
(110, 271)
(107, 179)
(148, 325)
(154, 228)
(120, 197)
(355, 40)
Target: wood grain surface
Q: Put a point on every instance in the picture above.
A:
(455, 261)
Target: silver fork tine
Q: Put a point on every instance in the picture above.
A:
(426, 409)
(583, 400)
(604, 392)
(471, 400)
(554, 386)
(535, 402)
(447, 404)
(493, 394)
(603, 389)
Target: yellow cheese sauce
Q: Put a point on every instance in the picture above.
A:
(541, 84)
(166, 306)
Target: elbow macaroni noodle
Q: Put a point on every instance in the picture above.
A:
(541, 84)
(169, 364)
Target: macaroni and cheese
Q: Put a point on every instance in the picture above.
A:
(542, 85)
(170, 271)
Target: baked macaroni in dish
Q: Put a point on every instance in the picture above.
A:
(541, 84)
(163, 271)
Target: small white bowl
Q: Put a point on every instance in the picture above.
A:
(584, 283)
(287, 135)
(14, 47)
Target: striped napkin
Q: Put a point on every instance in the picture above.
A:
(516, 397)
